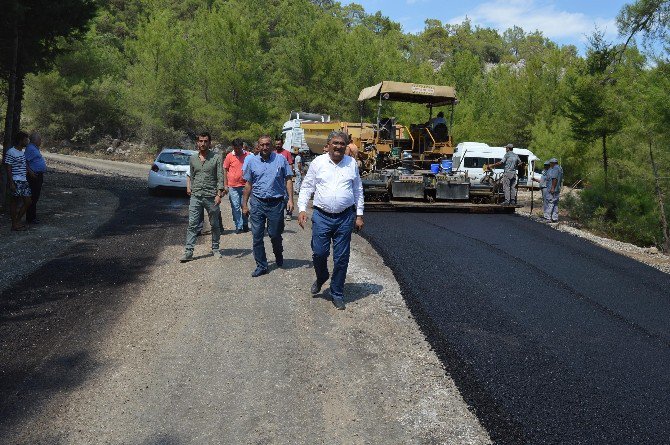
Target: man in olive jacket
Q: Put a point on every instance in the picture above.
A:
(205, 186)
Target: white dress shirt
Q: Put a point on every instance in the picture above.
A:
(336, 187)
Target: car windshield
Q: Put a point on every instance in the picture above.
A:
(174, 158)
(472, 162)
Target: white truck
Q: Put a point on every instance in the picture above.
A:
(470, 157)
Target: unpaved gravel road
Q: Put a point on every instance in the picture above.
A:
(113, 341)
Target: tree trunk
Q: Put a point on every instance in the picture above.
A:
(10, 128)
(11, 98)
(661, 204)
(605, 160)
(18, 100)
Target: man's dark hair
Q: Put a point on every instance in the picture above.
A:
(238, 142)
(440, 114)
(279, 138)
(21, 135)
(205, 134)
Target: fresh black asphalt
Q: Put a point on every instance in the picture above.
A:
(551, 339)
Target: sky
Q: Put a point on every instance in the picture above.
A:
(563, 21)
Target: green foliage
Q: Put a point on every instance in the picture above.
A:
(624, 209)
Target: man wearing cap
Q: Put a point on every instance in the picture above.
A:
(554, 180)
(335, 181)
(510, 162)
(543, 190)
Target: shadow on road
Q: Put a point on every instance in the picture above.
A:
(353, 291)
(83, 290)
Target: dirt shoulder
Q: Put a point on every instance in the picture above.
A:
(68, 212)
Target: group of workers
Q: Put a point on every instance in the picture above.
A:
(550, 182)
(260, 189)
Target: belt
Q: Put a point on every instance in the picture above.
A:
(269, 199)
(335, 215)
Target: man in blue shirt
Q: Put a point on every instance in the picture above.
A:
(268, 177)
(37, 167)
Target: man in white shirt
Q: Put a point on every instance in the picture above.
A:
(334, 180)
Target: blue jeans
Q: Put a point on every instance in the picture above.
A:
(338, 229)
(272, 212)
(235, 194)
(196, 207)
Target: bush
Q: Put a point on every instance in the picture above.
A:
(626, 211)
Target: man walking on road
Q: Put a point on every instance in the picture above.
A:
(279, 149)
(335, 181)
(234, 183)
(510, 162)
(206, 189)
(268, 177)
(37, 167)
(298, 168)
(554, 180)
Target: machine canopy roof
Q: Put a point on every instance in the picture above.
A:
(410, 92)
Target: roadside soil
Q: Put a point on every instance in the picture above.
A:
(68, 212)
(649, 256)
(203, 353)
(138, 154)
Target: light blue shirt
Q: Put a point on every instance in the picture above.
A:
(555, 173)
(246, 161)
(267, 178)
(34, 159)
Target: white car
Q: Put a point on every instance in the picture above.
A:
(169, 170)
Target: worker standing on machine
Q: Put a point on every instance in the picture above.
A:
(510, 162)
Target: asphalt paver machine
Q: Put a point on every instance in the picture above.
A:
(411, 166)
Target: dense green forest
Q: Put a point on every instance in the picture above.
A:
(154, 70)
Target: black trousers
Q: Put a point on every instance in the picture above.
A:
(36, 188)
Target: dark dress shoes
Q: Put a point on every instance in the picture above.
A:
(316, 287)
(339, 303)
(258, 272)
